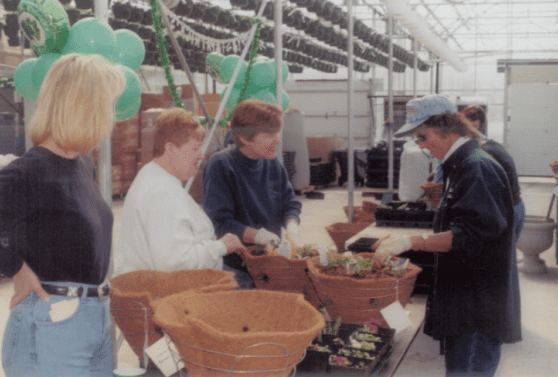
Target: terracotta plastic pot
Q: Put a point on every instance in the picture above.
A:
(433, 191)
(239, 333)
(277, 273)
(341, 232)
(356, 300)
(133, 295)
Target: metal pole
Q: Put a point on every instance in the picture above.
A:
(507, 74)
(350, 152)
(278, 40)
(415, 73)
(182, 60)
(390, 107)
(104, 157)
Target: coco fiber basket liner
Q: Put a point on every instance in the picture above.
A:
(277, 273)
(248, 333)
(357, 300)
(133, 295)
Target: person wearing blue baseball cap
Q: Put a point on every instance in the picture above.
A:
(473, 305)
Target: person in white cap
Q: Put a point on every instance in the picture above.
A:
(473, 305)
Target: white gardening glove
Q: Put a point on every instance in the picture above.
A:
(293, 231)
(264, 237)
(284, 249)
(393, 246)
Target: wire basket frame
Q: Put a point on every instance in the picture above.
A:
(181, 358)
(278, 273)
(357, 300)
(375, 298)
(130, 319)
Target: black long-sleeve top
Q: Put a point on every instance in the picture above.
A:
(499, 153)
(476, 286)
(53, 217)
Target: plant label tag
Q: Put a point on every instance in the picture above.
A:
(163, 353)
(396, 317)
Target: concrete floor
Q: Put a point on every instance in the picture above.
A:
(535, 356)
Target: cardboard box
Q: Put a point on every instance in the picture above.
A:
(321, 147)
(150, 100)
(184, 91)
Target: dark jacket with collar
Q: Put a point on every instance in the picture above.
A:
(476, 286)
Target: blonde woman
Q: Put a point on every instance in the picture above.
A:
(56, 229)
(163, 228)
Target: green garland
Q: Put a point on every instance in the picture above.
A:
(252, 57)
(163, 53)
(165, 62)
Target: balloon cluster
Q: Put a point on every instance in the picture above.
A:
(262, 78)
(47, 27)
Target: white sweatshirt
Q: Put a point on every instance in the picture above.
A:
(163, 228)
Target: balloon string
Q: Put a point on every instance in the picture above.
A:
(163, 53)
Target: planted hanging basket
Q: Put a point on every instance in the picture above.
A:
(73, 15)
(122, 10)
(239, 333)
(358, 299)
(554, 167)
(10, 5)
(277, 273)
(341, 232)
(133, 295)
(84, 4)
(433, 192)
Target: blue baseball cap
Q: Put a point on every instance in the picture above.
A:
(420, 109)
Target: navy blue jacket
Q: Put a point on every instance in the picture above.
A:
(239, 192)
(476, 286)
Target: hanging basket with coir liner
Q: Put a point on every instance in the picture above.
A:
(239, 333)
(277, 273)
(133, 295)
(357, 300)
(341, 232)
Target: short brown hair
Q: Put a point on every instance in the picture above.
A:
(252, 117)
(175, 126)
(474, 113)
(448, 123)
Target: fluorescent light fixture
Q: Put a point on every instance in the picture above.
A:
(399, 10)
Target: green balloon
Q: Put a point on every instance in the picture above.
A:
(23, 81)
(91, 36)
(121, 116)
(262, 75)
(130, 50)
(265, 95)
(42, 67)
(131, 93)
(228, 65)
(45, 24)
(233, 97)
(213, 62)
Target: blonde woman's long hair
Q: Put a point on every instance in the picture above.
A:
(76, 103)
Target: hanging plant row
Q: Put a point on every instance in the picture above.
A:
(326, 10)
(196, 39)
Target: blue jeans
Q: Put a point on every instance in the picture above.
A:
(35, 346)
(518, 219)
(471, 355)
(243, 279)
